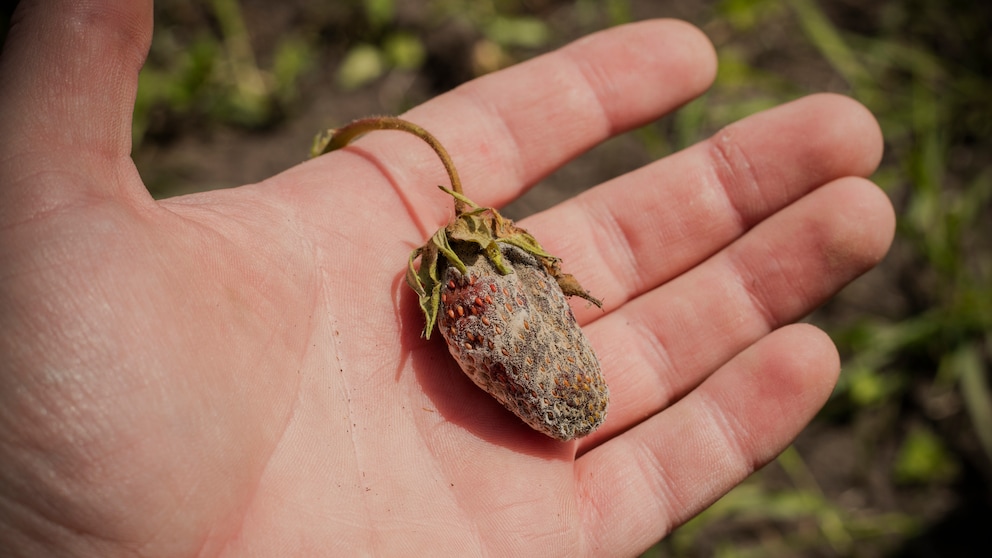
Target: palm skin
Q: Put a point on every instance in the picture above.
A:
(241, 372)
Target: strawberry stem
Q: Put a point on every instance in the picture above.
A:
(340, 137)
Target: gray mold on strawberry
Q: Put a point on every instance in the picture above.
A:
(499, 300)
(515, 336)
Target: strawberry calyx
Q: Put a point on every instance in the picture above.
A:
(474, 231)
(480, 230)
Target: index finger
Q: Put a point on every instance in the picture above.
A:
(507, 130)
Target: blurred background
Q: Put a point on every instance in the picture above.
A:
(899, 463)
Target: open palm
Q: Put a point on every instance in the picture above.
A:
(241, 372)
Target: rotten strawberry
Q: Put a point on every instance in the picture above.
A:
(499, 300)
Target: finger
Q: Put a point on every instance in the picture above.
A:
(664, 343)
(69, 75)
(507, 130)
(644, 228)
(641, 485)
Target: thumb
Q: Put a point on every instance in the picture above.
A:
(68, 76)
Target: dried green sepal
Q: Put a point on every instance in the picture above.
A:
(425, 281)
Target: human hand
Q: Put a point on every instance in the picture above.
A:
(240, 372)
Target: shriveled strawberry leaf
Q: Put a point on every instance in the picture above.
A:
(460, 197)
(426, 284)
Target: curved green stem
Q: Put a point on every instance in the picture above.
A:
(340, 137)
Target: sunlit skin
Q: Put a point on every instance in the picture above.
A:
(241, 372)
